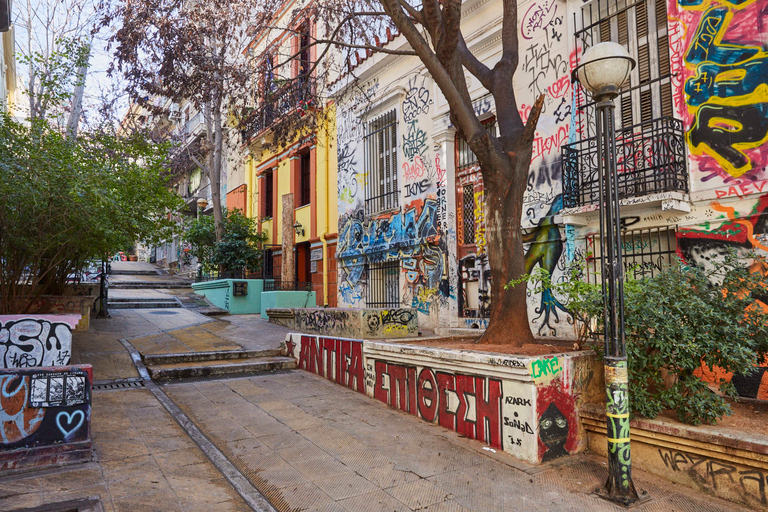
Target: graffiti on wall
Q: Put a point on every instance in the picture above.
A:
(443, 398)
(391, 322)
(45, 406)
(742, 233)
(337, 360)
(411, 236)
(722, 85)
(34, 342)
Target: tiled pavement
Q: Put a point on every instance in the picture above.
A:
(146, 462)
(308, 444)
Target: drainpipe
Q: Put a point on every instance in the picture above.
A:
(327, 209)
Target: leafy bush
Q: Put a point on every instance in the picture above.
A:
(65, 201)
(239, 248)
(677, 321)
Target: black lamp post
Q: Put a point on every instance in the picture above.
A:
(603, 70)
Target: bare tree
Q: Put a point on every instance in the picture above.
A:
(433, 31)
(195, 51)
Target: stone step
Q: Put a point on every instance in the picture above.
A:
(137, 285)
(114, 272)
(143, 304)
(172, 371)
(208, 355)
(142, 299)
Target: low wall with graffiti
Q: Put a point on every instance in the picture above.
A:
(527, 406)
(27, 341)
(728, 464)
(45, 416)
(374, 323)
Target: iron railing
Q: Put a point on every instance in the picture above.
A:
(644, 252)
(276, 104)
(277, 285)
(650, 158)
(214, 275)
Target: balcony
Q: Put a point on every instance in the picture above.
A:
(650, 159)
(274, 105)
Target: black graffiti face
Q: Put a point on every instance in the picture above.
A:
(553, 431)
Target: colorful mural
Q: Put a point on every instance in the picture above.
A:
(721, 86)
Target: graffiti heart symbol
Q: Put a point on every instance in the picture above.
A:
(67, 423)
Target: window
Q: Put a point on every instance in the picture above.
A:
(381, 163)
(304, 190)
(641, 27)
(383, 284)
(644, 252)
(304, 51)
(268, 193)
(466, 158)
(468, 214)
(650, 145)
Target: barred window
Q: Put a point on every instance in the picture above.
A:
(641, 27)
(644, 252)
(468, 214)
(383, 284)
(381, 163)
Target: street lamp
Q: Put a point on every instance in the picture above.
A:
(603, 70)
(201, 204)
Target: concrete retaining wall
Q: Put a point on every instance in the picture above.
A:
(45, 416)
(527, 406)
(357, 323)
(28, 341)
(221, 293)
(286, 299)
(725, 463)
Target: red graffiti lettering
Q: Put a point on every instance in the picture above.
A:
(338, 360)
(544, 145)
(427, 395)
(415, 170)
(561, 87)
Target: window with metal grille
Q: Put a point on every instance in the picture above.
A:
(650, 146)
(641, 27)
(468, 213)
(383, 284)
(644, 252)
(268, 192)
(466, 158)
(304, 196)
(381, 163)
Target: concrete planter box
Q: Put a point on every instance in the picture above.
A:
(32, 340)
(45, 417)
(725, 463)
(286, 299)
(371, 323)
(221, 293)
(68, 305)
(527, 406)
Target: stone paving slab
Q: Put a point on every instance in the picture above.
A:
(308, 444)
(146, 463)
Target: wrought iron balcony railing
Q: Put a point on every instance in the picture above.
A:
(292, 98)
(650, 158)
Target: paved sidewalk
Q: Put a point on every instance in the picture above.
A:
(146, 462)
(311, 445)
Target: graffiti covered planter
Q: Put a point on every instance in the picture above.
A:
(45, 416)
(32, 340)
(527, 406)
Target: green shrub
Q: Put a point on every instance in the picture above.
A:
(677, 321)
(239, 248)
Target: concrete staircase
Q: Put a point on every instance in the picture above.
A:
(143, 303)
(165, 367)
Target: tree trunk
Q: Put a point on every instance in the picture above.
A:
(508, 324)
(215, 173)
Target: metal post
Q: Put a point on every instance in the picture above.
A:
(103, 290)
(619, 486)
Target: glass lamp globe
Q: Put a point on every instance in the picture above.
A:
(604, 68)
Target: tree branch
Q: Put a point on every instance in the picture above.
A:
(474, 66)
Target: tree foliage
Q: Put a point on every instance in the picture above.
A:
(682, 320)
(239, 247)
(66, 201)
